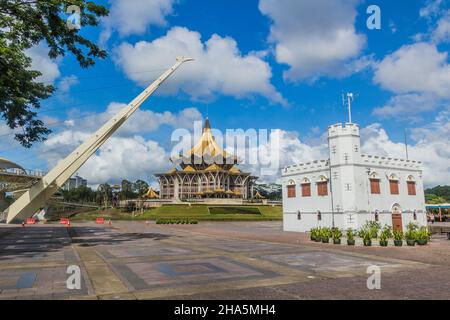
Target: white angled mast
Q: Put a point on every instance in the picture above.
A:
(27, 204)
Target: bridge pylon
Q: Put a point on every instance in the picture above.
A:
(33, 199)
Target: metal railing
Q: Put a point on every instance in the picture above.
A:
(24, 172)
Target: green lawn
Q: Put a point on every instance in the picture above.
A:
(193, 212)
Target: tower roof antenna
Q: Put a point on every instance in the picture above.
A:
(347, 100)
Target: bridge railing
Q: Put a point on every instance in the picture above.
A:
(24, 172)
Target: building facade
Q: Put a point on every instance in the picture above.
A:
(351, 188)
(74, 182)
(206, 172)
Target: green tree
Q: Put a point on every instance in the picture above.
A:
(81, 194)
(438, 194)
(140, 187)
(104, 195)
(126, 191)
(24, 24)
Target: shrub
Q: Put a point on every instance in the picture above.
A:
(386, 232)
(314, 233)
(398, 235)
(350, 234)
(423, 234)
(325, 233)
(336, 233)
(411, 233)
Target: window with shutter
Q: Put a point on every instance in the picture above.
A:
(393, 186)
(291, 191)
(374, 186)
(322, 188)
(306, 190)
(411, 188)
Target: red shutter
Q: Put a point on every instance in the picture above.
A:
(291, 191)
(322, 188)
(306, 190)
(411, 188)
(393, 186)
(374, 186)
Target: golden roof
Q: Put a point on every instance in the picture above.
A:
(151, 194)
(233, 169)
(219, 190)
(213, 167)
(237, 192)
(189, 169)
(229, 192)
(207, 145)
(172, 171)
(258, 195)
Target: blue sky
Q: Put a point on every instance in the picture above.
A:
(260, 64)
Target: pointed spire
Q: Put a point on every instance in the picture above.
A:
(207, 126)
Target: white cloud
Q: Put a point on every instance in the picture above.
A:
(42, 62)
(126, 155)
(408, 107)
(141, 122)
(135, 17)
(220, 68)
(419, 67)
(119, 158)
(432, 145)
(66, 83)
(315, 38)
(431, 8)
(442, 31)
(290, 149)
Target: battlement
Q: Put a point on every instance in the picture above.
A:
(339, 129)
(391, 162)
(305, 167)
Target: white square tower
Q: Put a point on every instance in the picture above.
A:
(344, 145)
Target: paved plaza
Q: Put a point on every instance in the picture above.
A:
(211, 260)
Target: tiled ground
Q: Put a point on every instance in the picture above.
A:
(210, 260)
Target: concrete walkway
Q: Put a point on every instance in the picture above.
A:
(228, 260)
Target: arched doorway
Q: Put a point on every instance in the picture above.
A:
(396, 211)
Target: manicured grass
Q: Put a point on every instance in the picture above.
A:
(193, 212)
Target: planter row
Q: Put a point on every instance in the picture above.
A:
(397, 243)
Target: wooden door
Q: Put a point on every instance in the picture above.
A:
(397, 222)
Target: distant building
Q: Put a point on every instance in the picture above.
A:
(351, 188)
(75, 182)
(206, 172)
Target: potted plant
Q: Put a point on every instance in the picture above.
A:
(398, 238)
(337, 235)
(385, 235)
(350, 237)
(422, 236)
(318, 235)
(366, 236)
(411, 234)
(313, 234)
(326, 234)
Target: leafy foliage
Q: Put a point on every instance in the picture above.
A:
(336, 233)
(25, 24)
(437, 195)
(398, 235)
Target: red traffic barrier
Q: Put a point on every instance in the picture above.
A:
(31, 221)
(100, 220)
(64, 221)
